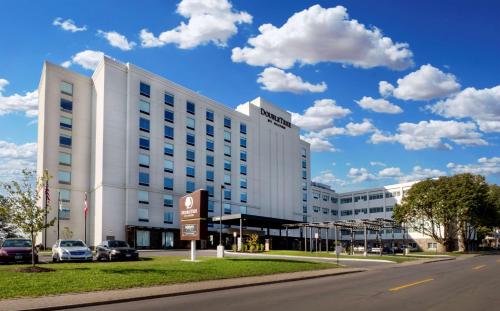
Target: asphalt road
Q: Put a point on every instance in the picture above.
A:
(468, 284)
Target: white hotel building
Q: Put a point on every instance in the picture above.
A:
(135, 143)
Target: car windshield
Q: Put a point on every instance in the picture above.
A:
(117, 244)
(72, 244)
(17, 243)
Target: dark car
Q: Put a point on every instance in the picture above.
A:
(17, 250)
(115, 250)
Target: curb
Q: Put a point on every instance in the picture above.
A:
(310, 258)
(185, 292)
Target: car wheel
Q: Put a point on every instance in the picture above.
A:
(54, 259)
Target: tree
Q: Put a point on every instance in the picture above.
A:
(22, 205)
(7, 230)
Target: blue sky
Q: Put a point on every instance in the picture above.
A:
(437, 113)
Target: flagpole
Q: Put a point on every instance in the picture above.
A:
(46, 203)
(85, 209)
(58, 212)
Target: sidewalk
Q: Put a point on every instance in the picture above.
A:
(133, 294)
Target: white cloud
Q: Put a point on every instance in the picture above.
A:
(385, 88)
(425, 83)
(318, 144)
(88, 59)
(319, 34)
(320, 115)
(483, 106)
(26, 103)
(359, 175)
(357, 129)
(419, 173)
(377, 163)
(390, 172)
(14, 158)
(432, 134)
(68, 25)
(484, 166)
(328, 178)
(117, 40)
(378, 105)
(277, 80)
(208, 21)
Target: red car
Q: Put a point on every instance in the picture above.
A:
(16, 250)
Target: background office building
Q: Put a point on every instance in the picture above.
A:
(134, 142)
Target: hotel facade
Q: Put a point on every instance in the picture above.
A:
(133, 143)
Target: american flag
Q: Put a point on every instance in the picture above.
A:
(60, 202)
(85, 206)
(47, 193)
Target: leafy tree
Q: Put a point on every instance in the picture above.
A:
(7, 230)
(22, 205)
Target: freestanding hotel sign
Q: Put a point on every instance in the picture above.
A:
(193, 210)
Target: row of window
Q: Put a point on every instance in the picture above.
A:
(65, 141)
(371, 210)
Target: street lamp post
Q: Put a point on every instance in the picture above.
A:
(220, 247)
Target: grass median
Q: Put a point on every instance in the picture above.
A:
(85, 277)
(397, 259)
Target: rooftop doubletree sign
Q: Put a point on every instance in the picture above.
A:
(193, 209)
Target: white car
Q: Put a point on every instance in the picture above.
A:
(71, 250)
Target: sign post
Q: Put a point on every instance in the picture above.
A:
(193, 209)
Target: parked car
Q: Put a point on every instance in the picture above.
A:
(17, 250)
(71, 250)
(115, 250)
(376, 250)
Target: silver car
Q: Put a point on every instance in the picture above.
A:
(71, 250)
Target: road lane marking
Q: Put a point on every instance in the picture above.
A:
(410, 284)
(478, 267)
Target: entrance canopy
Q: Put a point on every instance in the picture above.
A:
(248, 220)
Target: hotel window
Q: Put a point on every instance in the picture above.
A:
(168, 166)
(168, 149)
(64, 177)
(66, 88)
(65, 141)
(210, 175)
(304, 185)
(169, 99)
(374, 210)
(143, 160)
(210, 130)
(65, 195)
(144, 89)
(143, 197)
(243, 155)
(304, 164)
(211, 206)
(346, 213)
(389, 208)
(334, 200)
(227, 150)
(190, 123)
(210, 145)
(227, 122)
(227, 208)
(190, 107)
(190, 140)
(304, 174)
(316, 209)
(334, 212)
(143, 179)
(345, 200)
(376, 196)
(388, 195)
(64, 213)
(190, 156)
(168, 217)
(227, 194)
(304, 218)
(169, 132)
(210, 115)
(210, 160)
(144, 107)
(316, 195)
(169, 116)
(304, 196)
(143, 214)
(168, 200)
(65, 123)
(243, 182)
(64, 158)
(326, 197)
(227, 165)
(190, 171)
(227, 178)
(243, 197)
(142, 238)
(227, 136)
(144, 124)
(168, 183)
(189, 186)
(325, 210)
(210, 190)
(304, 209)
(243, 128)
(243, 169)
(243, 142)
(304, 152)
(144, 142)
(66, 105)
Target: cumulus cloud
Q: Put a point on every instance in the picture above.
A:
(319, 144)
(378, 105)
(320, 34)
(483, 106)
(14, 158)
(357, 129)
(277, 80)
(390, 172)
(320, 115)
(117, 40)
(484, 166)
(432, 134)
(328, 178)
(425, 83)
(26, 103)
(88, 59)
(377, 163)
(208, 21)
(68, 25)
(420, 173)
(359, 175)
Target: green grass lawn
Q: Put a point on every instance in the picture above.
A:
(397, 259)
(84, 277)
